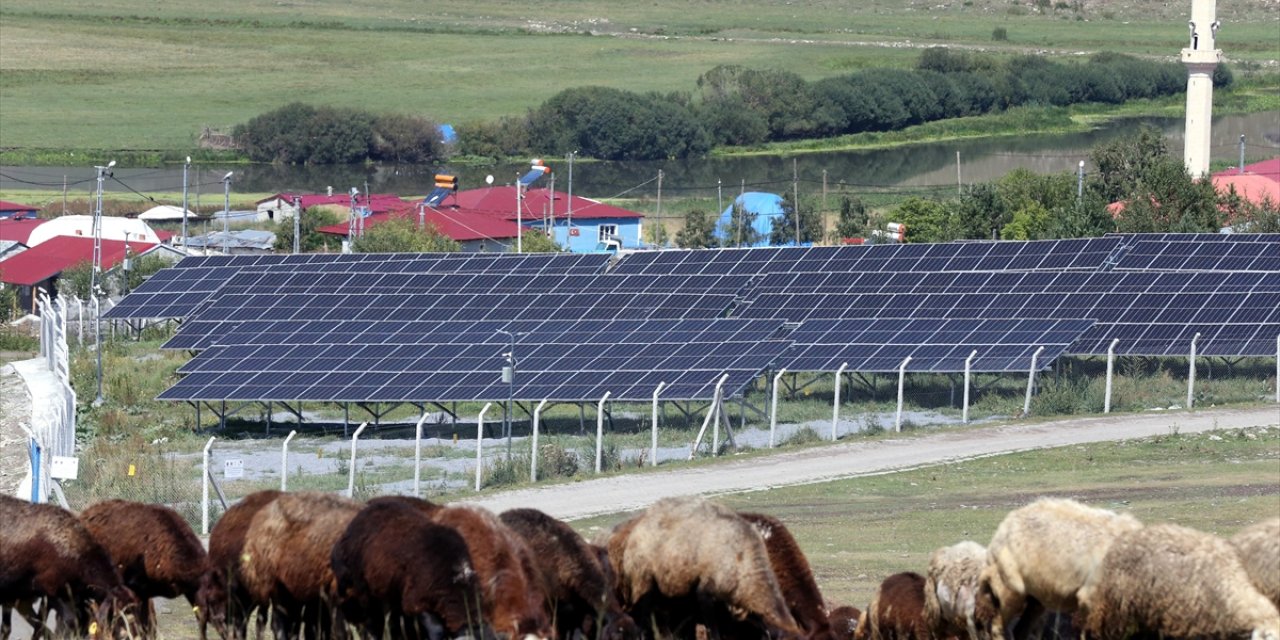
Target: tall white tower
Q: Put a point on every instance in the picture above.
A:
(1201, 58)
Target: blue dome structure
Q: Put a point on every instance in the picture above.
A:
(766, 206)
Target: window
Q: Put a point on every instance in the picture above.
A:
(607, 231)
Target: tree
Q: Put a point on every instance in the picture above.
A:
(401, 235)
(8, 303)
(853, 218)
(699, 231)
(312, 239)
(1119, 163)
(740, 229)
(139, 270)
(926, 220)
(406, 139)
(76, 280)
(534, 241)
(783, 231)
(978, 212)
(1166, 199)
(655, 233)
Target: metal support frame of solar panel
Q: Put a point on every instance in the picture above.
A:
(1201, 256)
(935, 345)
(441, 362)
(1153, 313)
(179, 291)
(1085, 253)
(361, 297)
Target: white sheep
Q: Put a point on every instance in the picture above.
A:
(1171, 581)
(1043, 554)
(951, 587)
(1259, 550)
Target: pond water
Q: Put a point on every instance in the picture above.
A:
(920, 165)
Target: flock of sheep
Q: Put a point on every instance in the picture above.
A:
(319, 565)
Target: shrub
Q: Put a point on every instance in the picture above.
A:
(1000, 34)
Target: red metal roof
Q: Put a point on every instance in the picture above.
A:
(53, 256)
(18, 230)
(458, 224)
(6, 207)
(501, 201)
(1267, 168)
(1251, 187)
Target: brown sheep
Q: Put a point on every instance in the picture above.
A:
(1259, 550)
(577, 587)
(46, 553)
(155, 550)
(844, 622)
(682, 548)
(795, 578)
(950, 590)
(511, 596)
(393, 560)
(897, 611)
(1176, 582)
(1040, 557)
(222, 599)
(285, 562)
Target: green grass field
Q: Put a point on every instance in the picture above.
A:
(135, 75)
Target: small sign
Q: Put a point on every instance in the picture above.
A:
(64, 467)
(232, 469)
(133, 470)
(574, 232)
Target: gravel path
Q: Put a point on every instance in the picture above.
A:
(862, 457)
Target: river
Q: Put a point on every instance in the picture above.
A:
(912, 166)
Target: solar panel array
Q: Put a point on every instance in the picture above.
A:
(458, 361)
(1202, 256)
(937, 345)
(1156, 314)
(179, 291)
(424, 327)
(1085, 253)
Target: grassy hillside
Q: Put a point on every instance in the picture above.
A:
(135, 75)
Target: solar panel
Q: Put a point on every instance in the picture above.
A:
(420, 362)
(937, 345)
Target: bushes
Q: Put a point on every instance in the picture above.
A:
(301, 134)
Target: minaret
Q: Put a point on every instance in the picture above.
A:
(1201, 58)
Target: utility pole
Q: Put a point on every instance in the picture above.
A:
(519, 225)
(95, 277)
(795, 189)
(719, 197)
(824, 203)
(185, 167)
(659, 214)
(64, 183)
(959, 184)
(226, 212)
(297, 224)
(1080, 181)
(64, 178)
(569, 210)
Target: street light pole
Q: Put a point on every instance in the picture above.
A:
(95, 275)
(226, 212)
(297, 223)
(185, 167)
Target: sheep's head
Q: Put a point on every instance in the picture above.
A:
(115, 616)
(210, 606)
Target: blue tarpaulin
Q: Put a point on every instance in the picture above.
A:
(766, 206)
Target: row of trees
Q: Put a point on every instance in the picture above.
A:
(731, 105)
(1153, 187)
(734, 105)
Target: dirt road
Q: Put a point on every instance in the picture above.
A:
(862, 457)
